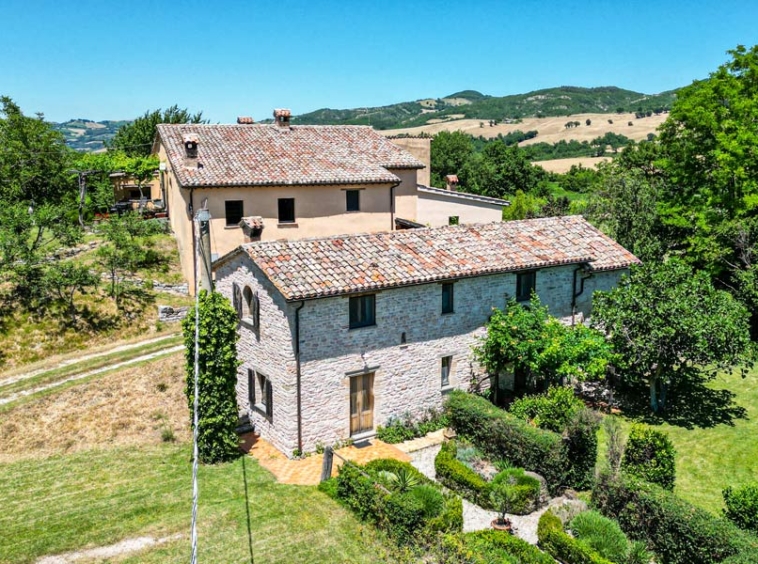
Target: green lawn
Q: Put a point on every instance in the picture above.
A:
(97, 498)
(718, 449)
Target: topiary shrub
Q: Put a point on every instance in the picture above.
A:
(601, 534)
(742, 506)
(552, 410)
(489, 547)
(677, 531)
(516, 490)
(581, 448)
(650, 455)
(562, 547)
(455, 475)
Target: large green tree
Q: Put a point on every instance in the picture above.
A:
(451, 152)
(672, 327)
(136, 138)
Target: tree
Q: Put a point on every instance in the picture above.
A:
(217, 405)
(503, 170)
(136, 138)
(671, 326)
(588, 122)
(650, 455)
(450, 153)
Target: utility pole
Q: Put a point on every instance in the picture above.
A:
(203, 218)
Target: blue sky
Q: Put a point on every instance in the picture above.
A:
(115, 60)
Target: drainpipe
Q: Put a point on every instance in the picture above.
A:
(575, 294)
(297, 367)
(191, 210)
(392, 205)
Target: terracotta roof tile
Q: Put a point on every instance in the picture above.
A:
(313, 268)
(269, 155)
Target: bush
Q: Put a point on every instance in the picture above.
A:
(329, 487)
(454, 474)
(488, 546)
(501, 436)
(552, 410)
(431, 499)
(601, 534)
(581, 448)
(403, 516)
(525, 490)
(650, 455)
(405, 428)
(677, 531)
(561, 546)
(742, 506)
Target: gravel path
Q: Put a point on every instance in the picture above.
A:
(119, 549)
(474, 517)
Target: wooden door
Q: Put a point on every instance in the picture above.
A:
(361, 403)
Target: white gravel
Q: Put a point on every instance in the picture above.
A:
(120, 548)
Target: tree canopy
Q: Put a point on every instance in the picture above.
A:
(136, 138)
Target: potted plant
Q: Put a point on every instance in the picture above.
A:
(503, 494)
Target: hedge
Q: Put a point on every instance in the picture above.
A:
(404, 515)
(454, 474)
(563, 547)
(502, 436)
(488, 546)
(679, 532)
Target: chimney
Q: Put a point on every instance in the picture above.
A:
(245, 120)
(451, 182)
(282, 117)
(190, 141)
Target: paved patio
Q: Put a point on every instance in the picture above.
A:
(307, 471)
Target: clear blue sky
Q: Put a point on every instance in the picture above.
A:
(101, 59)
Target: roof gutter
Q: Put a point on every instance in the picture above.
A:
(392, 205)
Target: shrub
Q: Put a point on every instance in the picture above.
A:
(403, 515)
(742, 506)
(677, 531)
(358, 492)
(488, 546)
(516, 490)
(581, 448)
(552, 410)
(329, 487)
(405, 428)
(502, 436)
(431, 499)
(601, 534)
(396, 466)
(561, 546)
(650, 455)
(455, 475)
(638, 553)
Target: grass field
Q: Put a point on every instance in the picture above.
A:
(99, 497)
(717, 445)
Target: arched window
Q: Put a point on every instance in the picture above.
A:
(250, 306)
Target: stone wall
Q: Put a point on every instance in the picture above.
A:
(170, 314)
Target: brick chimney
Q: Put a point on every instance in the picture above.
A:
(245, 120)
(282, 117)
(190, 141)
(451, 182)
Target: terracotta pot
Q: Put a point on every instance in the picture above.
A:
(501, 525)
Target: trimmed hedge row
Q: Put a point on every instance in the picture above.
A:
(502, 436)
(562, 546)
(454, 474)
(679, 532)
(486, 547)
(408, 516)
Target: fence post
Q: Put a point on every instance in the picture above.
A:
(326, 467)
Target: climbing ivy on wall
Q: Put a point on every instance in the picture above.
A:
(217, 405)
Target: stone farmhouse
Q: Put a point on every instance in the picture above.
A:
(264, 182)
(340, 334)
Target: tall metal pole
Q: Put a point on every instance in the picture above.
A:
(195, 418)
(206, 277)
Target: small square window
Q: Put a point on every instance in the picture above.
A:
(452, 220)
(362, 311)
(286, 210)
(447, 364)
(526, 283)
(353, 200)
(448, 293)
(234, 212)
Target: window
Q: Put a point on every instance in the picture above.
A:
(447, 364)
(234, 213)
(237, 300)
(265, 395)
(447, 297)
(250, 307)
(286, 210)
(452, 220)
(251, 387)
(526, 283)
(362, 311)
(353, 200)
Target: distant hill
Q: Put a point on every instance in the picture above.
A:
(86, 135)
(470, 104)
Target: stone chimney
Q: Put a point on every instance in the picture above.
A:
(282, 117)
(190, 141)
(245, 120)
(451, 182)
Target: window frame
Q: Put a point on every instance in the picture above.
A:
(526, 283)
(280, 202)
(264, 394)
(356, 204)
(250, 307)
(356, 313)
(450, 288)
(252, 382)
(226, 212)
(446, 369)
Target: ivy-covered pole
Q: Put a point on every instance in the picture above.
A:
(217, 376)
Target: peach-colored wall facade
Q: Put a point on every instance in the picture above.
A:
(435, 210)
(124, 185)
